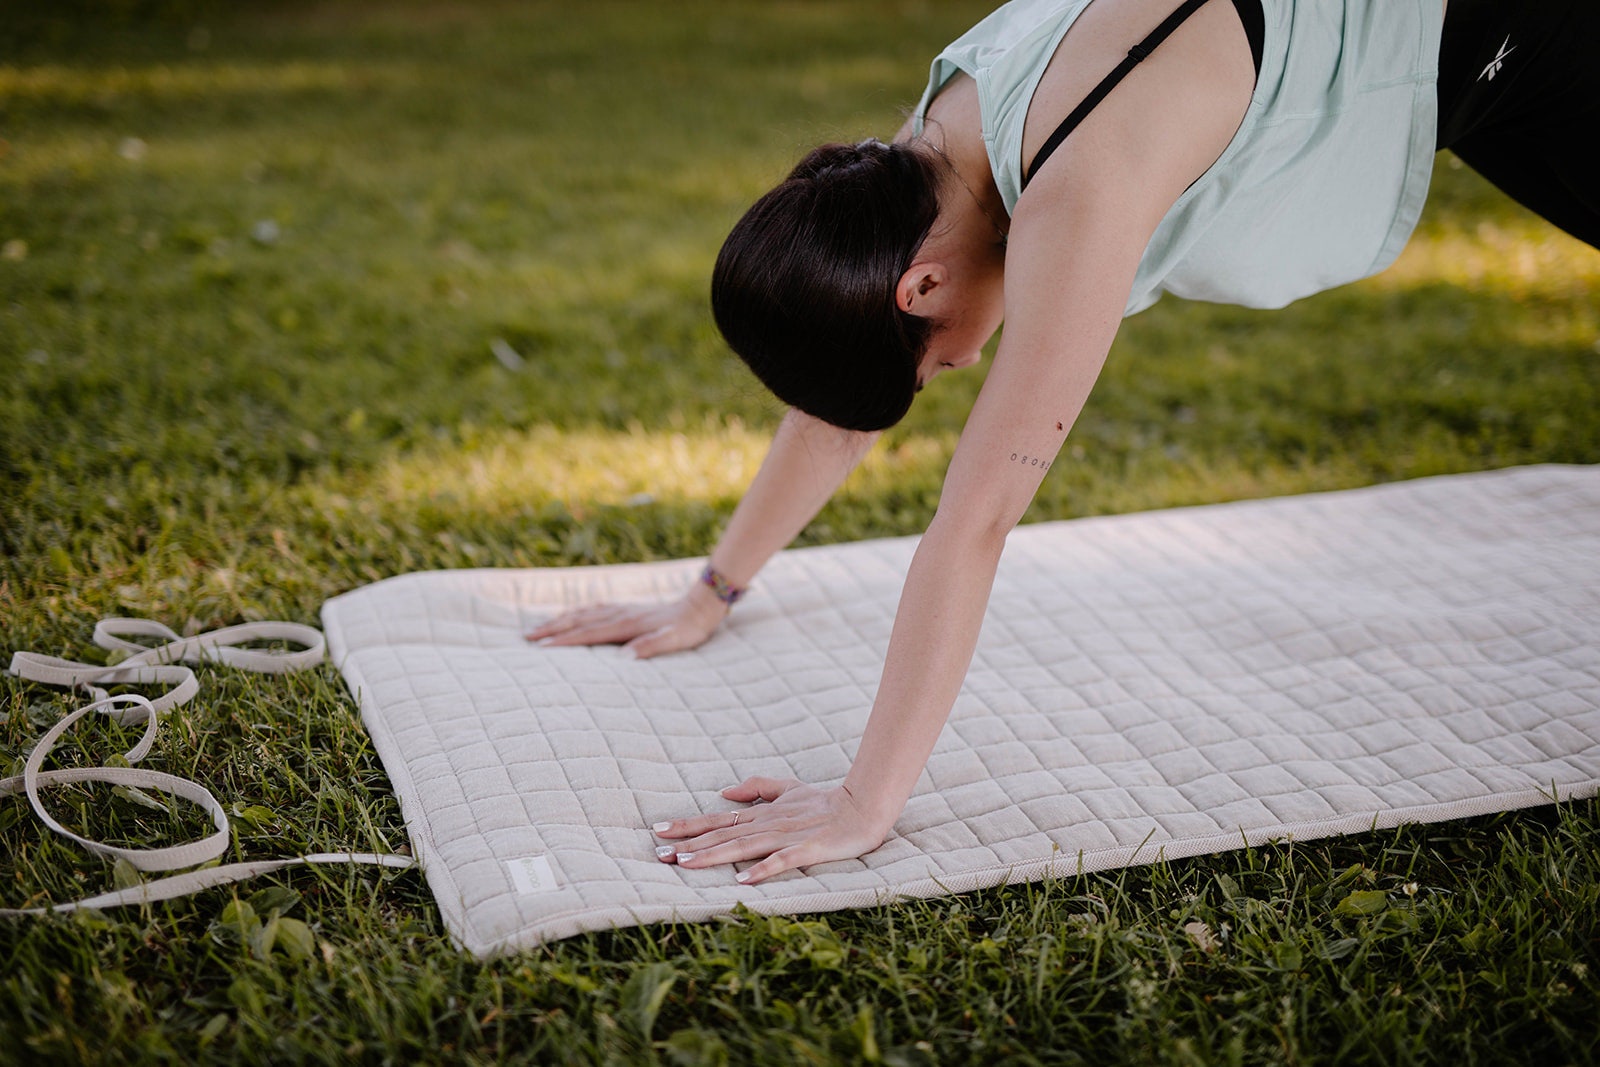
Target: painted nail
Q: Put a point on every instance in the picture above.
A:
(742, 877)
(661, 827)
(685, 856)
(664, 851)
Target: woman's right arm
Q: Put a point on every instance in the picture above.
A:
(808, 461)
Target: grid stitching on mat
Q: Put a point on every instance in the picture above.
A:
(1179, 680)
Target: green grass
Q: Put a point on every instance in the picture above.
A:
(204, 419)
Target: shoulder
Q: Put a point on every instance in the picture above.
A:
(1160, 128)
(955, 106)
(957, 101)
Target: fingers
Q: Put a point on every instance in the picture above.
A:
(767, 847)
(702, 824)
(656, 642)
(747, 847)
(646, 631)
(785, 859)
(610, 632)
(803, 825)
(722, 837)
(764, 834)
(750, 790)
(603, 625)
(569, 620)
(754, 789)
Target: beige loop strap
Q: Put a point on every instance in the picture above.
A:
(48, 670)
(160, 664)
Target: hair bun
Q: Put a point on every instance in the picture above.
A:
(832, 161)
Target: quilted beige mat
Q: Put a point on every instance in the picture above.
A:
(1164, 684)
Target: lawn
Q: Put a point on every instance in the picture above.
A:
(300, 296)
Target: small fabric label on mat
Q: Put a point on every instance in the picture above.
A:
(532, 874)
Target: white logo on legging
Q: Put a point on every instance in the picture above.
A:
(1498, 61)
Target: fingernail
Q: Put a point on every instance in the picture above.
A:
(742, 876)
(661, 827)
(663, 851)
(684, 857)
(544, 640)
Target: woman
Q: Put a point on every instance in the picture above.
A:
(1068, 163)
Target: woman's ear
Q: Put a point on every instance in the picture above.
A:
(920, 282)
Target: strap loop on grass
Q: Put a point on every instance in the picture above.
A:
(160, 665)
(33, 778)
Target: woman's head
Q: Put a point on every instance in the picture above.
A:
(804, 288)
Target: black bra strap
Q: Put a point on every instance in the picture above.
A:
(1135, 54)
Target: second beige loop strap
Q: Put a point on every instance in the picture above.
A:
(49, 670)
(162, 664)
(215, 646)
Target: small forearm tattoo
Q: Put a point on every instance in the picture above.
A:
(1042, 462)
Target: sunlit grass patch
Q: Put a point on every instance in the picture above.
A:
(581, 467)
(54, 85)
(1521, 258)
(1472, 238)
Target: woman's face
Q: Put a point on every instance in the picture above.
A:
(960, 340)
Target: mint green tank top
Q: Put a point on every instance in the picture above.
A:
(1321, 185)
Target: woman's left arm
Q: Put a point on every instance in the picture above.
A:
(1075, 243)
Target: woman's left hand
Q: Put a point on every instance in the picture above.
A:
(798, 826)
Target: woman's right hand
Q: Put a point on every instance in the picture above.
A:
(644, 629)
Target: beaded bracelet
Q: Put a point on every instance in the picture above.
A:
(721, 588)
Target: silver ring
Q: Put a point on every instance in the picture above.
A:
(735, 821)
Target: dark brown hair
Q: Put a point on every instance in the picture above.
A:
(804, 288)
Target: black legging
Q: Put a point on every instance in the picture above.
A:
(1519, 102)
